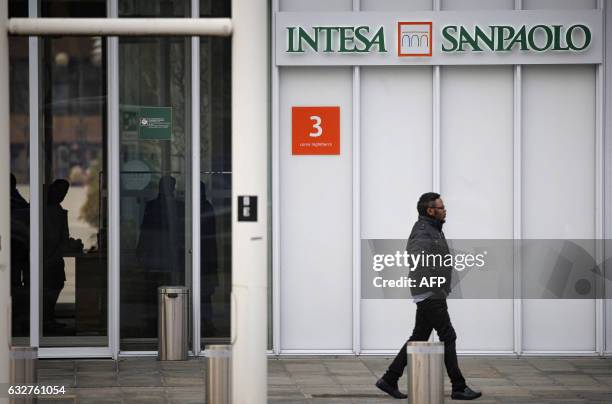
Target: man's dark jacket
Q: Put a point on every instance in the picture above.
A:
(426, 239)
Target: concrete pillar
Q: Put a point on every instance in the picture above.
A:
(250, 132)
(5, 213)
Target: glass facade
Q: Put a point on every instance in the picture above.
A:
(20, 180)
(74, 260)
(155, 191)
(216, 188)
(154, 155)
(216, 179)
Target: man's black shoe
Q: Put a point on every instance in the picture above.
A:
(389, 389)
(465, 394)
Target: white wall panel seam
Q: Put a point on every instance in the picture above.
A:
(436, 147)
(356, 203)
(517, 234)
(436, 176)
(517, 173)
(436, 135)
(356, 211)
(606, 156)
(599, 215)
(276, 228)
(517, 133)
(599, 187)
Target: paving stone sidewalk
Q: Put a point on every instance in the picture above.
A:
(329, 380)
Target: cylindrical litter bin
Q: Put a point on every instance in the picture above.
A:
(173, 323)
(425, 372)
(23, 370)
(218, 374)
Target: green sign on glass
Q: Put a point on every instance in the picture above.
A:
(155, 123)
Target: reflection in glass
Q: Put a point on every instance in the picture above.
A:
(147, 8)
(17, 8)
(19, 180)
(20, 189)
(73, 8)
(162, 227)
(155, 171)
(215, 8)
(155, 176)
(216, 188)
(73, 275)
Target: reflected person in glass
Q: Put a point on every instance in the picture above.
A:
(20, 260)
(208, 246)
(56, 243)
(161, 245)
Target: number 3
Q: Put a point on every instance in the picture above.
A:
(317, 126)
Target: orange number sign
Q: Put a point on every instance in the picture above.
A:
(315, 130)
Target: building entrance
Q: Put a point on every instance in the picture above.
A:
(127, 123)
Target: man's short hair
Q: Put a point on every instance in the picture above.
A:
(425, 201)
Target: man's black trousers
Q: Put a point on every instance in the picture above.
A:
(431, 314)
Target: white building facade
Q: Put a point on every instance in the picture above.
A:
(369, 104)
(516, 142)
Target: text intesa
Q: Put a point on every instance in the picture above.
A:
(340, 39)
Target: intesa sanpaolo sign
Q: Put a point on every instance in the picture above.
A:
(442, 38)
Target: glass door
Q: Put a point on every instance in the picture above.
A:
(93, 293)
(73, 266)
(155, 171)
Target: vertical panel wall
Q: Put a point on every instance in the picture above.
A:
(476, 177)
(315, 210)
(316, 219)
(396, 122)
(558, 166)
(558, 192)
(477, 174)
(477, 186)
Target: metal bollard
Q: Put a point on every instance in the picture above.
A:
(23, 370)
(173, 323)
(425, 372)
(218, 374)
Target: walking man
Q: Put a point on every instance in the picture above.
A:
(432, 312)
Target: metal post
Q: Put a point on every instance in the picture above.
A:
(23, 371)
(218, 374)
(5, 236)
(250, 129)
(425, 372)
